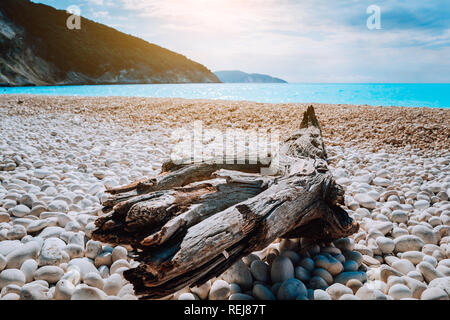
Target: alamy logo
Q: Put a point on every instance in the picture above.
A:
(232, 146)
(374, 21)
(73, 22)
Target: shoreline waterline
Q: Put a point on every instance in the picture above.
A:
(433, 95)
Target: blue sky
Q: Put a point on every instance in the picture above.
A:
(297, 40)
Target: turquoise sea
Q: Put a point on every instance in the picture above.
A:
(408, 95)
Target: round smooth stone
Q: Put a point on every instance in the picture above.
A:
(333, 266)
(351, 265)
(52, 252)
(10, 288)
(4, 217)
(421, 204)
(38, 225)
(74, 251)
(220, 290)
(387, 271)
(366, 293)
(19, 211)
(127, 289)
(428, 271)
(386, 245)
(84, 266)
(16, 258)
(320, 294)
(118, 253)
(37, 210)
(416, 286)
(187, 296)
(34, 291)
(281, 270)
(51, 232)
(113, 284)
(261, 292)
(104, 272)
(399, 216)
(203, 290)
(408, 243)
(365, 201)
(354, 285)
(88, 293)
(337, 290)
(344, 244)
(179, 292)
(302, 274)
(307, 264)
(382, 182)
(51, 274)
(370, 261)
(317, 282)
(17, 232)
(415, 257)
(234, 288)
(41, 173)
(426, 234)
(404, 266)
(121, 263)
(72, 275)
(443, 283)
(416, 275)
(324, 274)
(94, 279)
(400, 291)
(434, 294)
(93, 248)
(291, 289)
(260, 270)
(353, 255)
(11, 296)
(64, 290)
(239, 273)
(73, 226)
(58, 206)
(11, 276)
(104, 258)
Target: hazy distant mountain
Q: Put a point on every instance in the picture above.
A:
(36, 48)
(236, 76)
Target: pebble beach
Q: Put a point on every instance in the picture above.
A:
(58, 155)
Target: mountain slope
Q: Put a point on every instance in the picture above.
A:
(36, 48)
(236, 76)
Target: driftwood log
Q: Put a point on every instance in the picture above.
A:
(193, 221)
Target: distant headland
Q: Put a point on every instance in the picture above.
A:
(235, 76)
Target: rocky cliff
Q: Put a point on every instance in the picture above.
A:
(37, 48)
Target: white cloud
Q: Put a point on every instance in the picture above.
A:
(100, 14)
(95, 2)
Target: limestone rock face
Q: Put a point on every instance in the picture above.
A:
(40, 54)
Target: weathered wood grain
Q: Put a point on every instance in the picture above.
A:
(193, 222)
